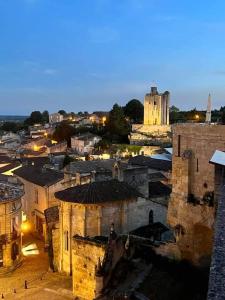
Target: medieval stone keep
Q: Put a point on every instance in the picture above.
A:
(156, 130)
(156, 108)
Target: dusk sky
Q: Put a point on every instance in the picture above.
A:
(88, 54)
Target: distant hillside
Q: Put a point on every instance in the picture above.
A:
(12, 118)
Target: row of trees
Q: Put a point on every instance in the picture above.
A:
(194, 115)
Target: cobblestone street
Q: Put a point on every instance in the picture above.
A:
(41, 283)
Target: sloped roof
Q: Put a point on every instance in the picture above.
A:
(158, 189)
(39, 176)
(218, 158)
(98, 192)
(90, 166)
(157, 164)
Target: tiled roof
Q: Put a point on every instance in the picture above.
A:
(148, 230)
(5, 159)
(158, 189)
(157, 164)
(35, 161)
(90, 166)
(85, 136)
(10, 166)
(39, 176)
(98, 192)
(157, 176)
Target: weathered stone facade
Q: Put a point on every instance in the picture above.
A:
(191, 210)
(86, 256)
(10, 223)
(95, 220)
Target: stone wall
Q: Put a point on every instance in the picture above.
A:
(85, 260)
(191, 216)
(94, 220)
(56, 248)
(9, 211)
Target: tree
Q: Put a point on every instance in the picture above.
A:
(62, 112)
(134, 110)
(63, 133)
(45, 116)
(67, 160)
(223, 117)
(35, 117)
(116, 125)
(173, 108)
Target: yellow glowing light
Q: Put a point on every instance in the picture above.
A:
(36, 148)
(196, 117)
(45, 134)
(54, 142)
(25, 226)
(103, 120)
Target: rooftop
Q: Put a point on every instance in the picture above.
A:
(157, 189)
(40, 176)
(90, 166)
(10, 191)
(98, 192)
(85, 136)
(157, 164)
(218, 158)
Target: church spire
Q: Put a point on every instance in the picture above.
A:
(208, 112)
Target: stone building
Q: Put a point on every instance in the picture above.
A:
(81, 172)
(156, 108)
(191, 211)
(89, 209)
(84, 143)
(11, 192)
(156, 130)
(40, 185)
(55, 118)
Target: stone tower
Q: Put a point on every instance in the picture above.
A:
(208, 112)
(156, 108)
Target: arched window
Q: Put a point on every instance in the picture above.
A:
(151, 217)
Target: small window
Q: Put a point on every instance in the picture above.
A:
(66, 241)
(155, 103)
(36, 196)
(178, 146)
(197, 165)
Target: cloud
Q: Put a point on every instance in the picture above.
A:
(103, 35)
(50, 71)
(30, 1)
(219, 72)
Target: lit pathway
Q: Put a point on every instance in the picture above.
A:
(41, 283)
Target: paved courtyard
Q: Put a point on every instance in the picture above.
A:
(41, 283)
